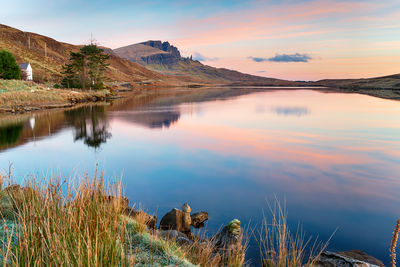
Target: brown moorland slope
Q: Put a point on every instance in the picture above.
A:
(384, 87)
(32, 47)
(385, 82)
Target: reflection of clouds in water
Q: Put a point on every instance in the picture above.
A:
(260, 109)
(199, 111)
(291, 111)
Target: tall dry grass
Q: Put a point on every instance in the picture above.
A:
(57, 223)
(203, 251)
(279, 247)
(62, 225)
(393, 245)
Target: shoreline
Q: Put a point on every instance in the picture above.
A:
(34, 97)
(172, 235)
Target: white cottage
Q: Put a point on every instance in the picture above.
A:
(26, 71)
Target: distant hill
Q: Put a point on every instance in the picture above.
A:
(386, 82)
(166, 59)
(30, 47)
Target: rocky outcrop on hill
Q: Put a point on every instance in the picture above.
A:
(171, 57)
(164, 59)
(150, 52)
(164, 46)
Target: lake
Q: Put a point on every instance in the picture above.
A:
(333, 158)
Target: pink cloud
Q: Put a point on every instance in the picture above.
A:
(266, 22)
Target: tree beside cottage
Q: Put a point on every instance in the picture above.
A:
(9, 68)
(86, 68)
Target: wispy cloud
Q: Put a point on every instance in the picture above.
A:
(297, 57)
(258, 59)
(200, 57)
(290, 58)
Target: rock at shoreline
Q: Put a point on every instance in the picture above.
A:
(178, 220)
(142, 217)
(346, 259)
(362, 256)
(228, 242)
(198, 219)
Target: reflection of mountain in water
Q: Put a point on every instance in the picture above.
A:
(90, 125)
(151, 118)
(157, 108)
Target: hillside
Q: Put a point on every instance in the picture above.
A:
(31, 47)
(166, 59)
(385, 82)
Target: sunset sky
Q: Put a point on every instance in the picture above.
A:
(289, 39)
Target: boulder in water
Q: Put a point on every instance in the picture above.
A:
(198, 219)
(178, 220)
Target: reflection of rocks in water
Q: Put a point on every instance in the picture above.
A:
(10, 134)
(152, 119)
(165, 120)
(90, 125)
(291, 111)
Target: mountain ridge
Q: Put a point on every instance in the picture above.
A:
(166, 59)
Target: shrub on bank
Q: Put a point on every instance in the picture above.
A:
(9, 68)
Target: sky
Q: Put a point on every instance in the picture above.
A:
(288, 39)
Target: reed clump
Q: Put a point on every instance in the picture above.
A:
(278, 247)
(394, 244)
(57, 223)
(72, 228)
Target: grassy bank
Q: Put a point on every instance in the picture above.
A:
(65, 225)
(20, 96)
(57, 223)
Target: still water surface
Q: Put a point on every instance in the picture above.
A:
(334, 158)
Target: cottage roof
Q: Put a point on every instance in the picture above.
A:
(24, 66)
